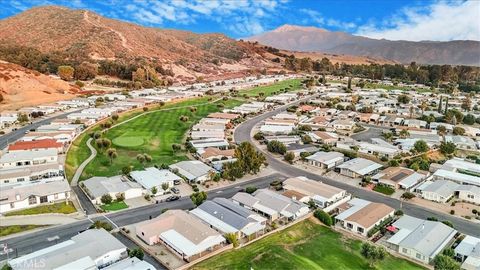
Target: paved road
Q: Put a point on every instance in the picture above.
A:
(11, 137)
(28, 243)
(243, 133)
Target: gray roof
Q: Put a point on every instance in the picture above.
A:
(444, 188)
(228, 204)
(426, 237)
(92, 243)
(191, 169)
(361, 166)
(224, 214)
(98, 186)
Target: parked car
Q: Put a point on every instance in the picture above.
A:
(176, 182)
(172, 198)
(175, 190)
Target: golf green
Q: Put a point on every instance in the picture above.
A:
(128, 141)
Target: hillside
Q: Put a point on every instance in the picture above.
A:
(84, 34)
(21, 87)
(311, 39)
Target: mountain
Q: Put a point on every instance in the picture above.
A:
(312, 39)
(21, 87)
(87, 35)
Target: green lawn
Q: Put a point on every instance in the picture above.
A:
(269, 90)
(7, 230)
(306, 245)
(384, 189)
(114, 206)
(154, 133)
(61, 208)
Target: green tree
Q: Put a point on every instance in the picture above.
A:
(106, 199)
(469, 119)
(442, 130)
(458, 131)
(154, 190)
(404, 99)
(447, 147)
(250, 189)
(249, 159)
(275, 146)
(443, 262)
(136, 252)
(373, 253)
(289, 157)
(127, 169)
(22, 118)
(421, 146)
(324, 217)
(198, 197)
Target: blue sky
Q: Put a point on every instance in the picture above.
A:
(390, 19)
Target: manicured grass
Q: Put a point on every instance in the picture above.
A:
(61, 208)
(269, 90)
(306, 245)
(7, 230)
(158, 129)
(114, 206)
(384, 189)
(128, 141)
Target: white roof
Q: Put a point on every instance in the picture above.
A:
(467, 245)
(151, 177)
(80, 250)
(99, 186)
(458, 177)
(360, 166)
(326, 157)
(27, 155)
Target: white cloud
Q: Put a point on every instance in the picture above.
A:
(240, 16)
(317, 18)
(441, 21)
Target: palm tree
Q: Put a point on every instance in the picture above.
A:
(423, 106)
(112, 153)
(411, 109)
(141, 158)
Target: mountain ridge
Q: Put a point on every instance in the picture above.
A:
(312, 39)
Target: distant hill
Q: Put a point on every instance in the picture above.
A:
(21, 87)
(312, 39)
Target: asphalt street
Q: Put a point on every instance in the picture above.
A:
(28, 243)
(243, 133)
(6, 139)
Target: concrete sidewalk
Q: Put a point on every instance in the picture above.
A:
(44, 219)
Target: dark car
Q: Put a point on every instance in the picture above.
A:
(176, 182)
(172, 198)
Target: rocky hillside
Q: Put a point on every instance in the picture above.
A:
(21, 87)
(311, 39)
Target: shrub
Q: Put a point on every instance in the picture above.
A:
(136, 252)
(399, 213)
(408, 195)
(452, 212)
(324, 217)
(276, 147)
(250, 189)
(106, 199)
(289, 157)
